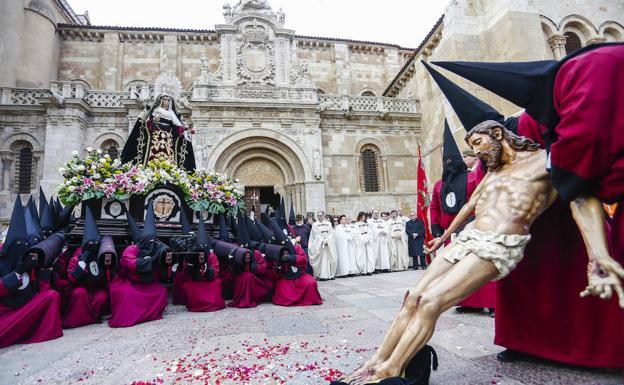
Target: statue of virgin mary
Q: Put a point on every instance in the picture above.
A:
(161, 133)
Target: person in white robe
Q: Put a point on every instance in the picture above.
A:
(402, 217)
(345, 248)
(365, 255)
(381, 238)
(399, 258)
(322, 248)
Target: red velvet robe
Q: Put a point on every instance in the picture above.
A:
(252, 288)
(227, 280)
(133, 301)
(302, 291)
(37, 321)
(199, 296)
(485, 297)
(86, 303)
(550, 320)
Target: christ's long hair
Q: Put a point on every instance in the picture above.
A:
(517, 142)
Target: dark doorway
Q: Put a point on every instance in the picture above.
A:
(259, 197)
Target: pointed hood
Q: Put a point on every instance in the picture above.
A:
(43, 202)
(280, 237)
(33, 209)
(241, 226)
(58, 206)
(281, 214)
(291, 216)
(149, 225)
(202, 237)
(267, 234)
(135, 231)
(254, 233)
(184, 222)
(469, 109)
(91, 234)
(15, 244)
(65, 217)
(48, 219)
(35, 233)
(454, 175)
(224, 233)
(231, 223)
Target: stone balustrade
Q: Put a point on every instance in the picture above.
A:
(367, 104)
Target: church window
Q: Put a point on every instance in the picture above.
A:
(111, 148)
(24, 167)
(369, 159)
(573, 42)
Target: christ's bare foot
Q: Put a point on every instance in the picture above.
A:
(376, 374)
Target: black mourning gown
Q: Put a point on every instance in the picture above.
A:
(158, 139)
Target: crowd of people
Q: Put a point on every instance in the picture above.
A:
(373, 242)
(47, 283)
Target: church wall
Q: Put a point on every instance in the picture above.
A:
(80, 59)
(490, 30)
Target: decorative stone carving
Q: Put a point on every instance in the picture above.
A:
(316, 159)
(300, 76)
(256, 60)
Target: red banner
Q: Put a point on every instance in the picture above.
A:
(422, 202)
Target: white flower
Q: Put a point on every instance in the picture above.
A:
(99, 151)
(72, 188)
(107, 156)
(74, 152)
(62, 170)
(67, 182)
(81, 167)
(89, 149)
(102, 160)
(96, 176)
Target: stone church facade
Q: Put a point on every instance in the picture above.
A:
(326, 123)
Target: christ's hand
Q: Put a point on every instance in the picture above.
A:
(433, 245)
(604, 278)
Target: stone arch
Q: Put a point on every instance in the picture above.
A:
(21, 136)
(367, 92)
(367, 141)
(548, 26)
(254, 140)
(97, 143)
(579, 25)
(85, 84)
(11, 170)
(612, 31)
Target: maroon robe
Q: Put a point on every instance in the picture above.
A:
(133, 301)
(36, 321)
(86, 303)
(302, 291)
(252, 287)
(200, 295)
(227, 280)
(550, 320)
(486, 296)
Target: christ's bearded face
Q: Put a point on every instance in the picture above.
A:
(488, 148)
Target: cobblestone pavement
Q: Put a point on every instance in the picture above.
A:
(276, 345)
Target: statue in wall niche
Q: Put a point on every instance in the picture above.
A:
(281, 16)
(252, 5)
(160, 132)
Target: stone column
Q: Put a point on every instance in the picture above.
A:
(343, 76)
(168, 54)
(7, 161)
(557, 44)
(110, 76)
(65, 133)
(40, 48)
(383, 173)
(11, 30)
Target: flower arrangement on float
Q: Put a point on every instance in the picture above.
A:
(97, 176)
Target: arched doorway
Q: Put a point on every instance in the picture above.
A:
(270, 166)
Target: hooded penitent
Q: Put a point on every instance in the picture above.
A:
(454, 175)
(243, 234)
(254, 232)
(107, 256)
(149, 245)
(280, 238)
(14, 257)
(33, 229)
(291, 216)
(224, 233)
(281, 215)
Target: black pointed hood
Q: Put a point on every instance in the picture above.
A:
(454, 175)
(48, 219)
(135, 231)
(43, 202)
(184, 222)
(35, 233)
(291, 215)
(15, 244)
(224, 233)
(58, 206)
(280, 237)
(91, 235)
(231, 224)
(149, 225)
(33, 209)
(64, 217)
(241, 226)
(202, 236)
(469, 109)
(281, 214)
(267, 234)
(254, 233)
